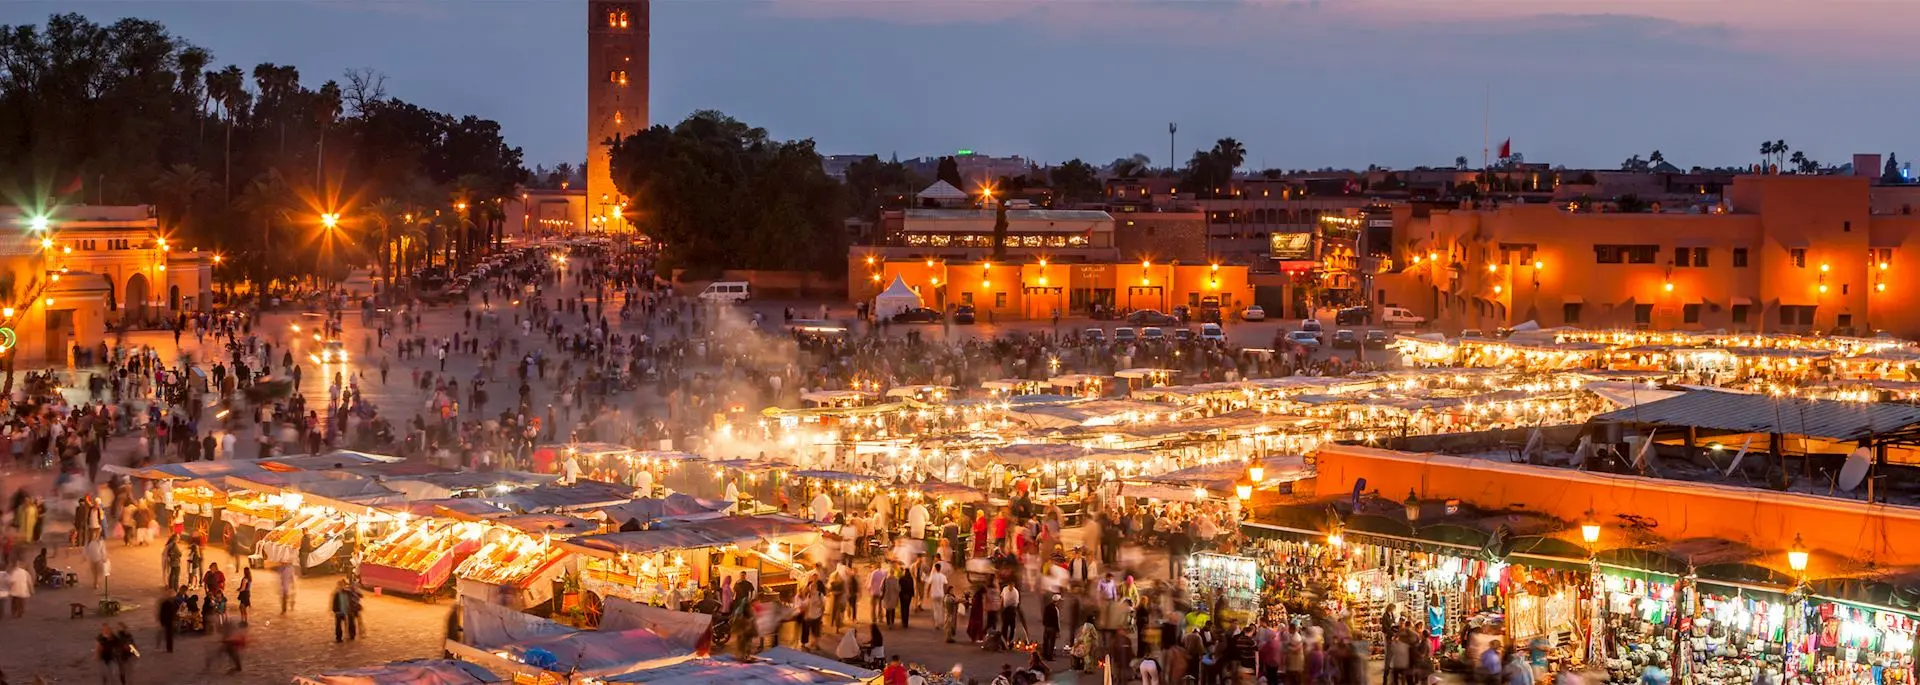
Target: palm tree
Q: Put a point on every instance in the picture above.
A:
(265, 201)
(383, 214)
(228, 87)
(1780, 150)
(326, 111)
(1230, 151)
(177, 188)
(409, 236)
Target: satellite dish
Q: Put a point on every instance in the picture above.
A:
(1855, 469)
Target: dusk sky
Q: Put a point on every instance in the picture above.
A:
(1303, 84)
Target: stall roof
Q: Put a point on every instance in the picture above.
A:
(580, 494)
(588, 448)
(557, 524)
(1222, 475)
(413, 672)
(1742, 413)
(188, 470)
(465, 508)
(435, 485)
(691, 535)
(1038, 453)
(777, 666)
(337, 459)
(1087, 413)
(837, 476)
(677, 506)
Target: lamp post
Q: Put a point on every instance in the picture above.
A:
(1596, 622)
(329, 222)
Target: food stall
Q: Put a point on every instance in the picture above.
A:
(519, 561)
(678, 560)
(418, 555)
(331, 517)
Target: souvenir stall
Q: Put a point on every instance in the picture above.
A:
(1078, 385)
(418, 556)
(1735, 635)
(1642, 619)
(679, 560)
(1230, 586)
(1855, 645)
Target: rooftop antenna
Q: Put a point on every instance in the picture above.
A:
(1172, 128)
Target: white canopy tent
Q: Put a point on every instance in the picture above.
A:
(895, 299)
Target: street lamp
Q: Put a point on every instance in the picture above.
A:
(1412, 504)
(39, 223)
(328, 219)
(1797, 556)
(1590, 530)
(1256, 472)
(1243, 490)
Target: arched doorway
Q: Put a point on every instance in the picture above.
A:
(135, 311)
(173, 298)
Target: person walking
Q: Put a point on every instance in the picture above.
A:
(19, 588)
(344, 605)
(286, 573)
(1049, 627)
(890, 597)
(244, 592)
(1009, 611)
(109, 650)
(169, 616)
(907, 583)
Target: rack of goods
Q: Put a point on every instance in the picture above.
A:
(311, 538)
(1226, 583)
(513, 569)
(417, 558)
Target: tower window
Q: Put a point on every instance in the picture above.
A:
(623, 77)
(613, 19)
(623, 19)
(618, 119)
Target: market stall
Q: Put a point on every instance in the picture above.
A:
(516, 567)
(412, 672)
(418, 556)
(671, 563)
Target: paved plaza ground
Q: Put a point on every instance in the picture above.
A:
(48, 643)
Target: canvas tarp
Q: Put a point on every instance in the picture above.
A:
(693, 535)
(689, 630)
(777, 666)
(544, 644)
(678, 506)
(418, 672)
(897, 298)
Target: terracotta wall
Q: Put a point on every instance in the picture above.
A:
(1764, 519)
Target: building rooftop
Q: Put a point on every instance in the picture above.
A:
(1012, 215)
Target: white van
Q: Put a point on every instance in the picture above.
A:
(1399, 316)
(726, 291)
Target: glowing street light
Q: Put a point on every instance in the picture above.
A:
(1797, 555)
(39, 223)
(329, 219)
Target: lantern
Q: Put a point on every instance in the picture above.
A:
(1797, 555)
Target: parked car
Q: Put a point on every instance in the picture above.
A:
(1150, 317)
(1345, 339)
(1308, 339)
(1124, 335)
(963, 314)
(1210, 313)
(1352, 316)
(1400, 316)
(918, 315)
(1183, 335)
(1378, 340)
(1210, 332)
(1310, 324)
(1253, 312)
(1153, 334)
(1094, 335)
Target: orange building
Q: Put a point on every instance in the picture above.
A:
(1779, 254)
(1033, 288)
(618, 38)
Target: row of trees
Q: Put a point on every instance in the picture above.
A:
(243, 160)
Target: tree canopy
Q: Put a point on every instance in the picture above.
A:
(1210, 171)
(719, 194)
(128, 113)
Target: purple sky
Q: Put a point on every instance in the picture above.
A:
(1302, 83)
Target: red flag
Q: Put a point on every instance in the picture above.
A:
(73, 186)
(1506, 149)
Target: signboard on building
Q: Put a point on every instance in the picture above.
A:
(1292, 246)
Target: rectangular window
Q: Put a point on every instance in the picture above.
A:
(1626, 254)
(999, 300)
(1740, 258)
(1699, 256)
(1517, 253)
(1570, 313)
(1740, 314)
(1642, 314)
(1796, 315)
(1798, 256)
(1682, 256)
(1690, 313)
